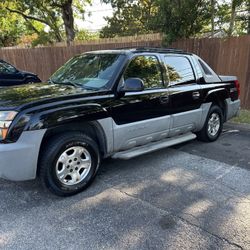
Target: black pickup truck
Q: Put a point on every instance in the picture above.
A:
(115, 103)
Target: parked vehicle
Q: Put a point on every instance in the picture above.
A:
(120, 104)
(10, 76)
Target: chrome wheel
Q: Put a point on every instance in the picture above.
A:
(214, 124)
(73, 165)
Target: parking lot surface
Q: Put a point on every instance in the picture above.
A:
(194, 196)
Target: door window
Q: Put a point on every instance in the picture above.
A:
(179, 70)
(6, 68)
(148, 69)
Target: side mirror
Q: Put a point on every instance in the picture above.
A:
(132, 85)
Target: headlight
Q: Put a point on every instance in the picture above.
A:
(6, 118)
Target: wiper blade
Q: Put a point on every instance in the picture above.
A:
(67, 83)
(72, 84)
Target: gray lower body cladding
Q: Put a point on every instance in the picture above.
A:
(18, 161)
(233, 108)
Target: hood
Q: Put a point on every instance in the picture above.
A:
(12, 97)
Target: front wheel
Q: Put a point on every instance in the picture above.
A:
(213, 125)
(69, 163)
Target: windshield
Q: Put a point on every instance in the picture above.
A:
(90, 71)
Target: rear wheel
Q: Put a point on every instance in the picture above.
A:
(213, 125)
(69, 163)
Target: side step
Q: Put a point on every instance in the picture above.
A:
(154, 146)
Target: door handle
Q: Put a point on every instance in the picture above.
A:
(164, 99)
(196, 95)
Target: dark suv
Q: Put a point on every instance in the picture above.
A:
(117, 103)
(10, 76)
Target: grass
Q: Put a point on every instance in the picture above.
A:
(244, 117)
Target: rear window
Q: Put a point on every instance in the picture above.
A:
(179, 70)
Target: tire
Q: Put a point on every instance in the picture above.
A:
(206, 133)
(31, 80)
(69, 163)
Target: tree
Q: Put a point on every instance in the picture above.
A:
(37, 11)
(131, 18)
(232, 17)
(248, 19)
(212, 16)
(65, 6)
(51, 13)
(176, 18)
(11, 28)
(234, 5)
(183, 18)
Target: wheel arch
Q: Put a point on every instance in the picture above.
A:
(30, 78)
(218, 97)
(92, 129)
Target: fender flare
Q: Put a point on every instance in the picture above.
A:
(219, 97)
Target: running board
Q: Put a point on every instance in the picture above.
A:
(153, 146)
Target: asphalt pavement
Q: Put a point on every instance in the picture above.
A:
(233, 147)
(194, 196)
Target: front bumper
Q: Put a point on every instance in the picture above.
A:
(18, 161)
(233, 108)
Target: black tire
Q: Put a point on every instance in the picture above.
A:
(31, 80)
(204, 134)
(53, 150)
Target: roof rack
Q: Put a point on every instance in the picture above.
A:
(153, 49)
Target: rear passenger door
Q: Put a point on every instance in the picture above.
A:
(184, 93)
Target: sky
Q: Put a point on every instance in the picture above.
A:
(94, 17)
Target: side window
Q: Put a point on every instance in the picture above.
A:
(179, 70)
(146, 68)
(3, 69)
(6, 68)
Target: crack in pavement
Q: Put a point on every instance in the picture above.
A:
(174, 215)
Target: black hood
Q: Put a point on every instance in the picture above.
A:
(12, 97)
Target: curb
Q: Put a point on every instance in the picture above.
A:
(242, 126)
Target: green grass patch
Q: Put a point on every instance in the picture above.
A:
(244, 117)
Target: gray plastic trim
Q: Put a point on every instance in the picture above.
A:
(18, 161)
(233, 108)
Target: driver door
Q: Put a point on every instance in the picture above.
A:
(142, 117)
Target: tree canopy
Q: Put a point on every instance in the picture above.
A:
(177, 18)
(51, 20)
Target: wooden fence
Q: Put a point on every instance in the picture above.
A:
(229, 56)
